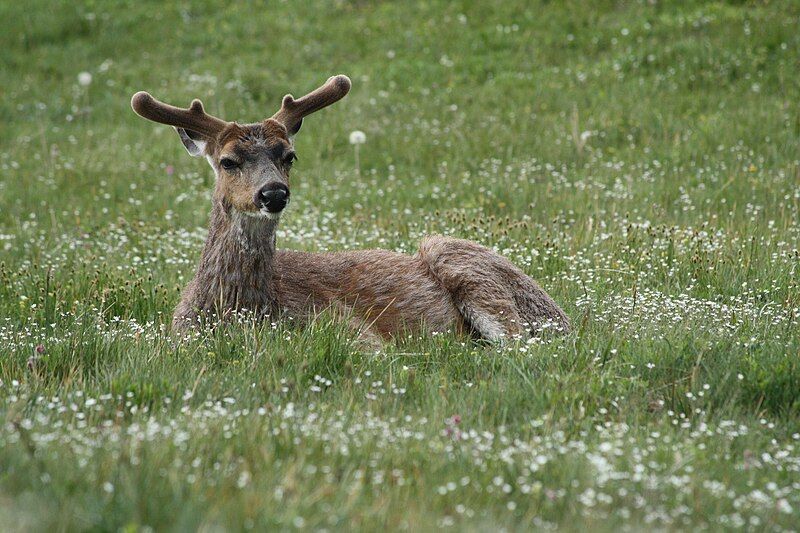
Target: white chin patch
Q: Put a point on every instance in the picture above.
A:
(263, 213)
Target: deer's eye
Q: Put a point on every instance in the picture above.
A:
(289, 158)
(228, 163)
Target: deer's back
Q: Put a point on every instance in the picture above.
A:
(392, 291)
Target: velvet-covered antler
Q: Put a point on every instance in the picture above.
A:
(292, 111)
(193, 119)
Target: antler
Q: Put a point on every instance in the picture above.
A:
(292, 111)
(194, 118)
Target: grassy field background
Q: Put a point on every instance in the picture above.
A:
(639, 159)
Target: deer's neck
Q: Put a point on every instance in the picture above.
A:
(236, 267)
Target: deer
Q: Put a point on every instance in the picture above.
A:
(449, 285)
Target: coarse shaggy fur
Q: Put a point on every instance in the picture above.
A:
(449, 285)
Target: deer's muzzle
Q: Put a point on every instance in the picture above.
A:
(273, 197)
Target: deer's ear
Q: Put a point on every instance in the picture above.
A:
(192, 141)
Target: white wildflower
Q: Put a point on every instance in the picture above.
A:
(357, 137)
(85, 79)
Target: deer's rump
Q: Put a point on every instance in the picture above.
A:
(388, 292)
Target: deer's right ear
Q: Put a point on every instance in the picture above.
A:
(192, 141)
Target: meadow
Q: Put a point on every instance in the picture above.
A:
(639, 159)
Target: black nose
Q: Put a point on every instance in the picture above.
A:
(274, 197)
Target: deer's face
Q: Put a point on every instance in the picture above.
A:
(252, 161)
(252, 164)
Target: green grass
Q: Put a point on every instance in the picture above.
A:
(639, 159)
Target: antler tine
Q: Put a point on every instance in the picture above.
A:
(292, 111)
(194, 118)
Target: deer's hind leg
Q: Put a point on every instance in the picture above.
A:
(494, 296)
(493, 320)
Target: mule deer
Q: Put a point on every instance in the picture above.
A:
(449, 285)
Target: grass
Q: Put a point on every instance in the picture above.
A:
(639, 159)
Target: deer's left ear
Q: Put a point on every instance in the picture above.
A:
(295, 129)
(192, 141)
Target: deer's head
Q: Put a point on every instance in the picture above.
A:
(251, 161)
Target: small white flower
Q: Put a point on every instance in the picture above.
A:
(784, 506)
(85, 79)
(358, 137)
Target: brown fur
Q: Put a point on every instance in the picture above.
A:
(486, 286)
(450, 285)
